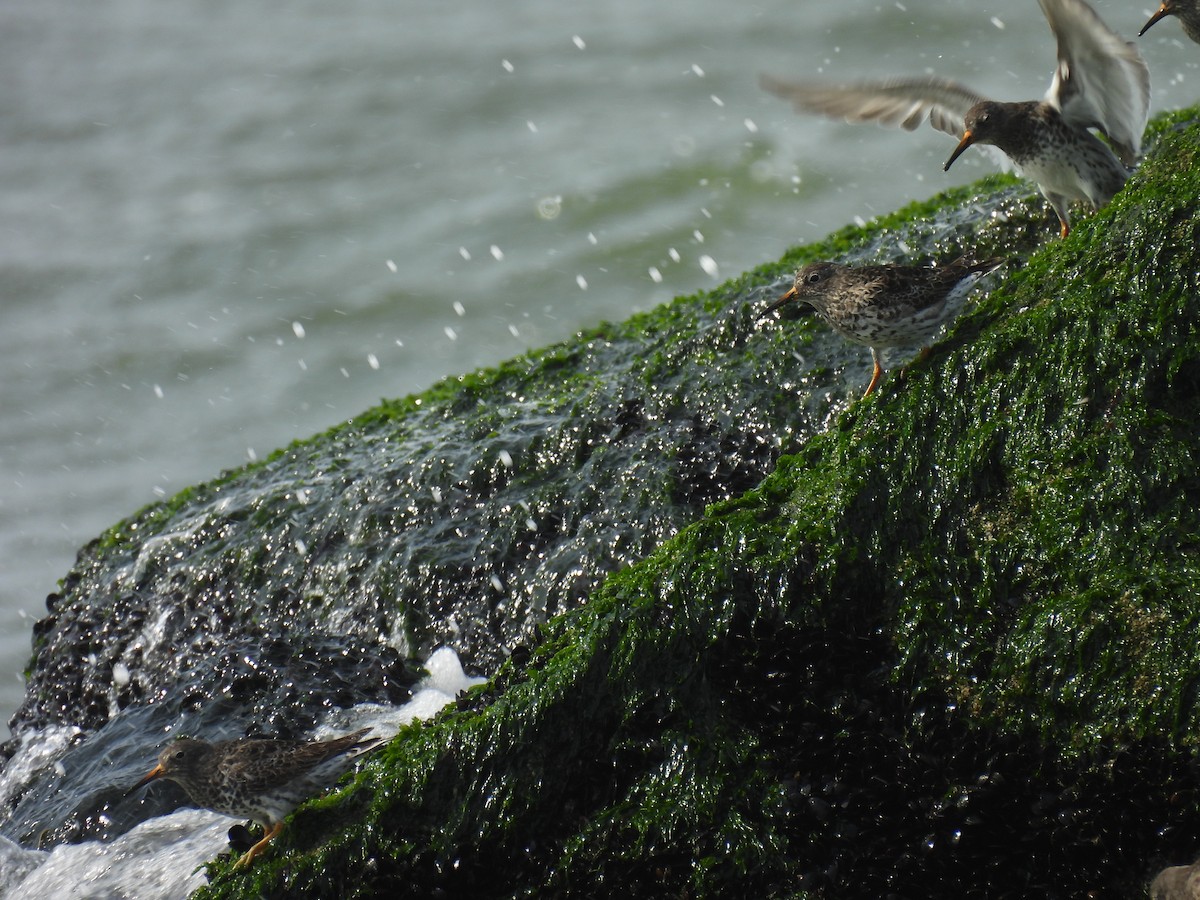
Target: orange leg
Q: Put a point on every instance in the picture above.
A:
(1066, 229)
(249, 856)
(875, 376)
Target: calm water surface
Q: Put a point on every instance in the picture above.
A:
(226, 226)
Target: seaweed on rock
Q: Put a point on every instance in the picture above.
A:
(946, 647)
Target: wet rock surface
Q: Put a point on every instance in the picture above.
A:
(944, 648)
(466, 517)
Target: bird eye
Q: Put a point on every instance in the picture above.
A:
(177, 755)
(813, 277)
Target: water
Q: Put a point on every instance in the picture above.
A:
(226, 226)
(162, 857)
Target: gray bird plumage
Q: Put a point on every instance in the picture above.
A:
(1101, 82)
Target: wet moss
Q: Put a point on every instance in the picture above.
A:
(947, 648)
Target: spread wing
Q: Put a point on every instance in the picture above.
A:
(1101, 80)
(900, 102)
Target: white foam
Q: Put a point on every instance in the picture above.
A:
(446, 680)
(35, 752)
(158, 858)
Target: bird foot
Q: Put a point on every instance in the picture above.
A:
(250, 855)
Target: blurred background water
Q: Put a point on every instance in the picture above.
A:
(227, 226)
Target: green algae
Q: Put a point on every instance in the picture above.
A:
(550, 374)
(949, 647)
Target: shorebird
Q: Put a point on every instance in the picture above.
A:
(1101, 82)
(1188, 13)
(257, 778)
(885, 306)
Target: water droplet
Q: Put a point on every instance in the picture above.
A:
(683, 145)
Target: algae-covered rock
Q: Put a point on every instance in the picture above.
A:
(947, 647)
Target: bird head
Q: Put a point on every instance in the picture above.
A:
(807, 285)
(1167, 8)
(980, 125)
(177, 762)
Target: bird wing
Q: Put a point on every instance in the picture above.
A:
(263, 764)
(1101, 80)
(899, 102)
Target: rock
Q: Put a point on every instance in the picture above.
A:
(746, 641)
(1176, 883)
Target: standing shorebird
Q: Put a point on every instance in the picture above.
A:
(257, 778)
(1101, 82)
(885, 306)
(1188, 13)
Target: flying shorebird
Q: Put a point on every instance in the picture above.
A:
(1101, 82)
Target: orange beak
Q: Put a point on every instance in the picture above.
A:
(1163, 11)
(967, 140)
(790, 295)
(156, 772)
